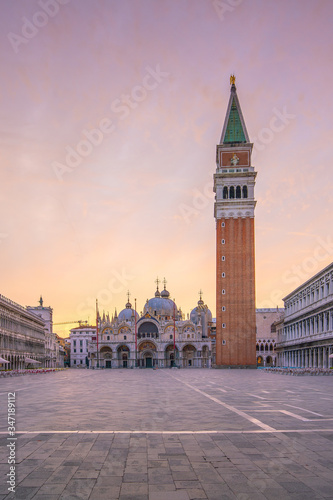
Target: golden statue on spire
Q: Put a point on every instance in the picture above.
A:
(232, 79)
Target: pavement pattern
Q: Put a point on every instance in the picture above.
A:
(168, 435)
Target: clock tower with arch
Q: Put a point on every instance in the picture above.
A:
(234, 182)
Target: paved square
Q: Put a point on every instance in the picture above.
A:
(169, 434)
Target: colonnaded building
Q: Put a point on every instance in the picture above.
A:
(22, 336)
(27, 339)
(160, 337)
(305, 334)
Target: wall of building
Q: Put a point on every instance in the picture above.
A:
(306, 339)
(79, 339)
(266, 335)
(22, 335)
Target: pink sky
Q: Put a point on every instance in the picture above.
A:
(140, 203)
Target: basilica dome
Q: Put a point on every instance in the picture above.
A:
(201, 313)
(161, 305)
(128, 313)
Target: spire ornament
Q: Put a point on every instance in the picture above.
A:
(232, 79)
(157, 293)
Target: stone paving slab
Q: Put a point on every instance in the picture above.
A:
(170, 434)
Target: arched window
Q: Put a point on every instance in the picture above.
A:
(225, 193)
(257, 347)
(238, 192)
(232, 192)
(244, 191)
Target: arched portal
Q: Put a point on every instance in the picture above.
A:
(189, 353)
(106, 357)
(123, 356)
(269, 361)
(171, 356)
(147, 354)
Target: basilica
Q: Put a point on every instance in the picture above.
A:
(159, 338)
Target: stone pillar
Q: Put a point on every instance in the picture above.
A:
(324, 357)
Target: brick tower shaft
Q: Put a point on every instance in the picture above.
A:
(235, 259)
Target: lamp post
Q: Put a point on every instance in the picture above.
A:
(97, 332)
(136, 338)
(174, 332)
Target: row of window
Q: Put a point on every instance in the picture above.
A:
(265, 347)
(231, 192)
(223, 243)
(140, 335)
(147, 335)
(74, 343)
(16, 326)
(312, 296)
(320, 323)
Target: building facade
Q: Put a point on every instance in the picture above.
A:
(266, 335)
(54, 354)
(160, 337)
(305, 338)
(22, 336)
(234, 182)
(80, 339)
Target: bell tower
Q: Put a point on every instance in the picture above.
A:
(234, 182)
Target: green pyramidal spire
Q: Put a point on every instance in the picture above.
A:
(234, 129)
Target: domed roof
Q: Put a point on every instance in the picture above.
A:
(202, 311)
(159, 306)
(165, 294)
(128, 313)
